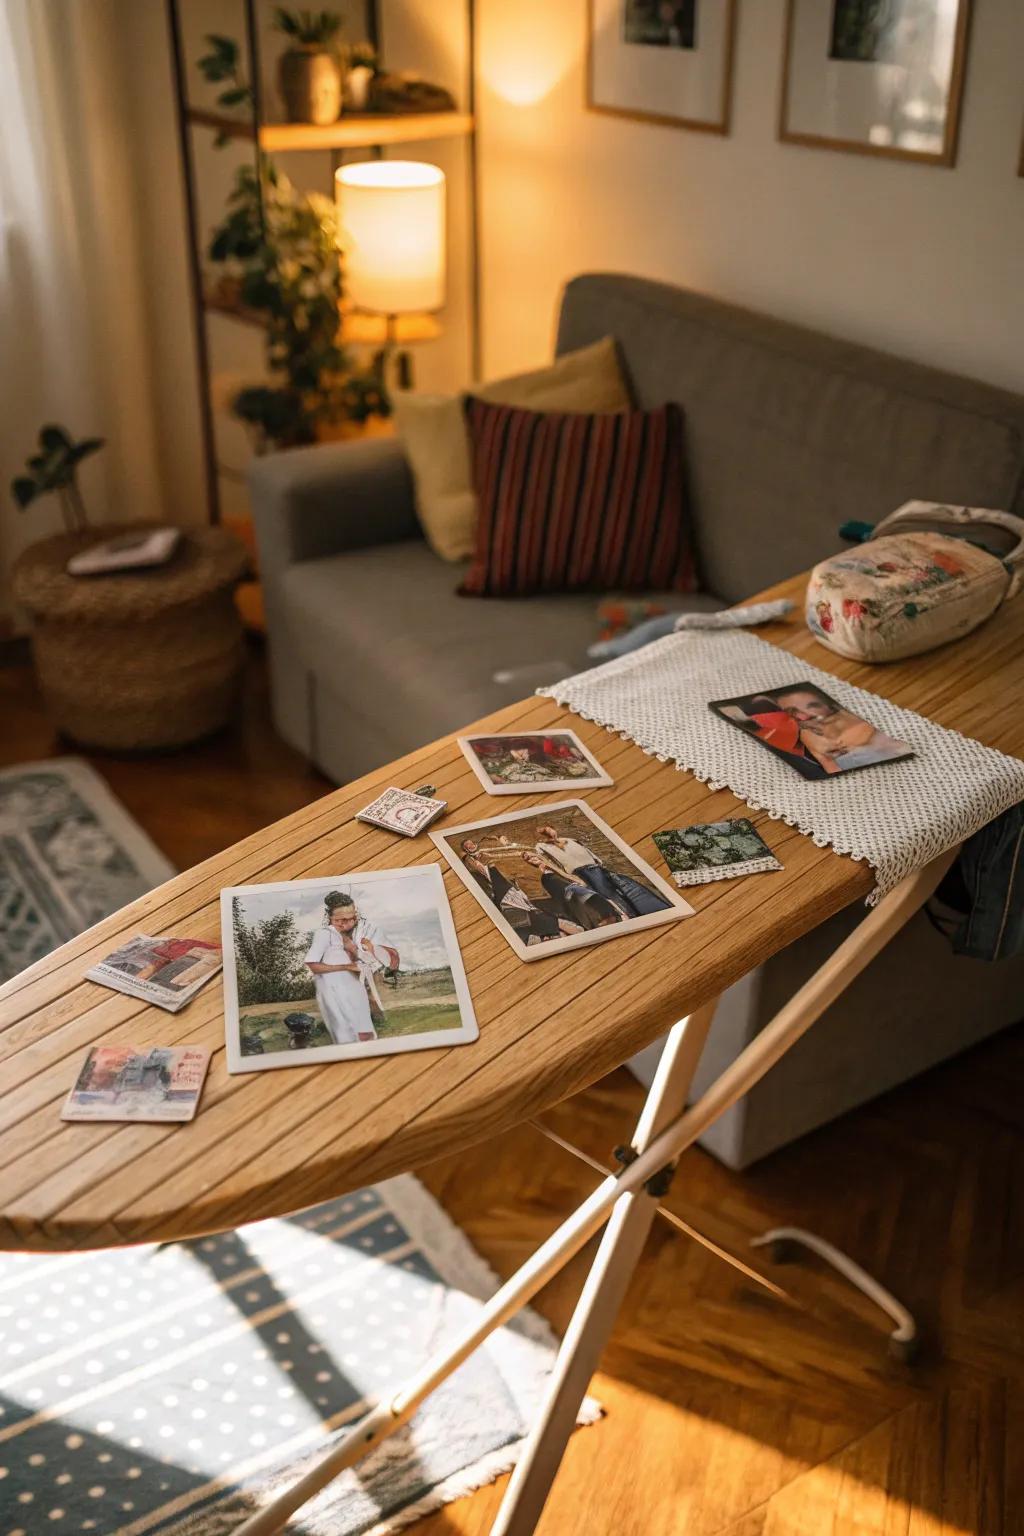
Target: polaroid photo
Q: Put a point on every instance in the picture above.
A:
(557, 878)
(168, 972)
(129, 1082)
(715, 850)
(804, 727)
(402, 811)
(533, 762)
(340, 968)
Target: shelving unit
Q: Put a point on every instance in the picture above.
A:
(363, 131)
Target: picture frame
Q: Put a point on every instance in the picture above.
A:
(530, 923)
(647, 67)
(540, 751)
(875, 77)
(435, 1013)
(805, 728)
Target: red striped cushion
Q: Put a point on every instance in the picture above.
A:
(575, 503)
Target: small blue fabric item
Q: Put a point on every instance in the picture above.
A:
(737, 618)
(633, 639)
(855, 532)
(667, 623)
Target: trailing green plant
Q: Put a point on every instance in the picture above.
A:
(222, 66)
(281, 252)
(54, 470)
(308, 29)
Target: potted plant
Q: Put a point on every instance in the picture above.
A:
(309, 73)
(283, 261)
(55, 469)
(362, 66)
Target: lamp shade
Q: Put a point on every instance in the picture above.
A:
(391, 218)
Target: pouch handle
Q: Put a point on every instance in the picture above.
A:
(962, 518)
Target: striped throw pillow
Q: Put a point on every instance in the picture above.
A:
(574, 503)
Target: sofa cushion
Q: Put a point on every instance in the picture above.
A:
(433, 433)
(384, 631)
(572, 503)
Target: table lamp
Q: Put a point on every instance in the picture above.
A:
(391, 218)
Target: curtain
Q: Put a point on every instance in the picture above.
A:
(73, 329)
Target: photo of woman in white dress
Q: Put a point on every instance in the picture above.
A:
(343, 957)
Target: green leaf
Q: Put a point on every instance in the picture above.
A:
(24, 490)
(235, 97)
(51, 437)
(83, 449)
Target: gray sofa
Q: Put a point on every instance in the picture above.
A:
(788, 433)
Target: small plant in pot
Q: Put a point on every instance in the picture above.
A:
(54, 469)
(362, 66)
(309, 72)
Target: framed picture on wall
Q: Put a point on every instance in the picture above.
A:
(662, 61)
(877, 77)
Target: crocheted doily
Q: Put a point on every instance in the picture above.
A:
(897, 816)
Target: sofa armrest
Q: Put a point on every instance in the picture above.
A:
(312, 502)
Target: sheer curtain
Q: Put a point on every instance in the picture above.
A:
(73, 336)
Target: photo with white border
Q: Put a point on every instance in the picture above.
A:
(533, 762)
(342, 967)
(557, 878)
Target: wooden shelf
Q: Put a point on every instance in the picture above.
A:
(357, 131)
(361, 131)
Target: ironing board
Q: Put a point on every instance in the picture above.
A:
(272, 1143)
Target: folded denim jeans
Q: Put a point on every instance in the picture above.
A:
(979, 905)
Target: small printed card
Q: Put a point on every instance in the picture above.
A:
(129, 1082)
(402, 811)
(168, 972)
(715, 850)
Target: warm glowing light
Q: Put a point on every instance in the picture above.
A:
(528, 49)
(392, 219)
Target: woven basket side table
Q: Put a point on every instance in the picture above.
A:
(136, 660)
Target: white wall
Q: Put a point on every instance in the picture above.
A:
(919, 260)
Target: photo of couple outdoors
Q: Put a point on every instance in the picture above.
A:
(351, 966)
(810, 731)
(557, 878)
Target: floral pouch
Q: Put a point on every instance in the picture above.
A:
(911, 588)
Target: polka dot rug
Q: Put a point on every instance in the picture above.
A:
(178, 1388)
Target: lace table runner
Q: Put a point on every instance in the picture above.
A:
(897, 816)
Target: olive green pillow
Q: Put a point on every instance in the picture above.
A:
(433, 433)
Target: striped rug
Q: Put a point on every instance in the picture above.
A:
(177, 1388)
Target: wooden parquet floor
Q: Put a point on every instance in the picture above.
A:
(730, 1412)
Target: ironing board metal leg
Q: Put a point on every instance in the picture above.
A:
(663, 1147)
(594, 1318)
